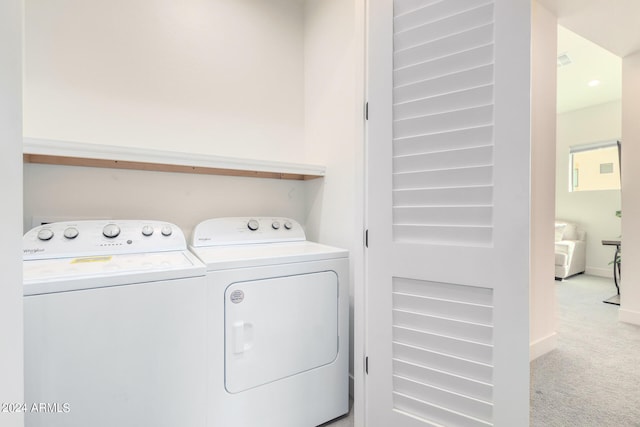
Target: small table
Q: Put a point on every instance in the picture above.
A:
(616, 270)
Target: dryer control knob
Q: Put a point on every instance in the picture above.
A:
(147, 230)
(275, 225)
(71, 233)
(288, 225)
(111, 231)
(45, 234)
(166, 230)
(253, 225)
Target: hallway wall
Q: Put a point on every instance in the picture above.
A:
(11, 353)
(630, 287)
(543, 128)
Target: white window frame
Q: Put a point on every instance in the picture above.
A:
(591, 147)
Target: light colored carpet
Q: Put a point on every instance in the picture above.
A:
(593, 377)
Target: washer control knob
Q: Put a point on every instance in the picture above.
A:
(166, 230)
(275, 225)
(111, 231)
(288, 225)
(253, 224)
(45, 234)
(147, 230)
(71, 233)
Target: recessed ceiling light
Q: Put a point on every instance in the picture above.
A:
(594, 83)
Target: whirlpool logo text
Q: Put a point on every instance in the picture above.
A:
(33, 251)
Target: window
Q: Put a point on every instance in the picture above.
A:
(595, 166)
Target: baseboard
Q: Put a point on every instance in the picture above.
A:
(629, 316)
(543, 346)
(600, 272)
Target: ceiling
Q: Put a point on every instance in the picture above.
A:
(590, 27)
(612, 24)
(589, 62)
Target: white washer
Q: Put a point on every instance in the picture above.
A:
(114, 326)
(277, 325)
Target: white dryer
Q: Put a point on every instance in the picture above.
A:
(277, 324)
(114, 326)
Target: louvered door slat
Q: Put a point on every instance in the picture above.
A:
(430, 50)
(443, 235)
(454, 177)
(439, 415)
(478, 195)
(454, 82)
(442, 122)
(453, 401)
(442, 379)
(458, 23)
(440, 141)
(443, 325)
(444, 215)
(467, 98)
(468, 312)
(471, 58)
(443, 344)
(443, 291)
(476, 371)
(430, 12)
(474, 156)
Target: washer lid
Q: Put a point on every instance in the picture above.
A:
(70, 274)
(240, 256)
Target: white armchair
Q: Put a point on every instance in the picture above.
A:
(570, 249)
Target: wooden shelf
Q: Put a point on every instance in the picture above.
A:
(108, 156)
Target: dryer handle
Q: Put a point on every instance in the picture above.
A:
(242, 336)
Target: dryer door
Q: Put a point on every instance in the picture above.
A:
(279, 327)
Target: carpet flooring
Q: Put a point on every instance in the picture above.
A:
(592, 378)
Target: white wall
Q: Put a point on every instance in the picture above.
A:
(333, 131)
(216, 77)
(11, 355)
(593, 210)
(71, 192)
(543, 133)
(630, 288)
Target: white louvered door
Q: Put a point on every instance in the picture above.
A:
(448, 213)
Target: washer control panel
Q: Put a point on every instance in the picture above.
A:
(246, 230)
(94, 237)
